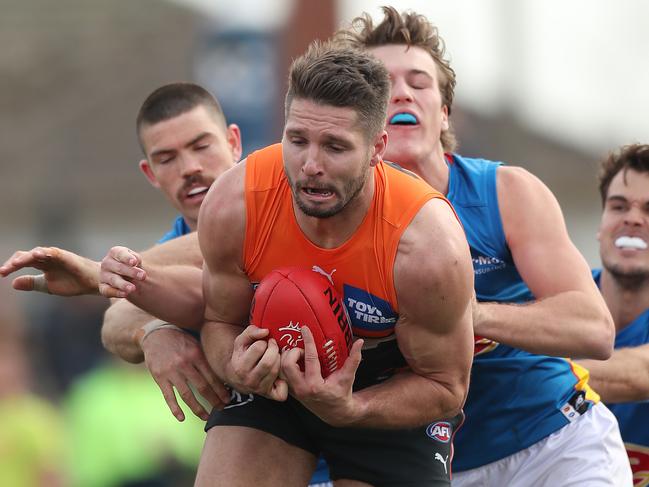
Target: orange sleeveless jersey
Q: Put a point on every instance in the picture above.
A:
(361, 268)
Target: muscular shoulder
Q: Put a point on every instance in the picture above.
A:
(523, 198)
(433, 257)
(434, 229)
(517, 179)
(516, 185)
(221, 220)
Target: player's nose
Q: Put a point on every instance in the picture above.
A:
(312, 165)
(190, 164)
(635, 216)
(400, 91)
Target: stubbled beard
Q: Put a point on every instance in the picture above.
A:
(628, 279)
(350, 193)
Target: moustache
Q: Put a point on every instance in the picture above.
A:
(194, 181)
(314, 185)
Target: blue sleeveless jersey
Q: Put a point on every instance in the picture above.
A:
(178, 229)
(515, 398)
(633, 417)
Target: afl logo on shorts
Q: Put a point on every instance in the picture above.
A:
(440, 431)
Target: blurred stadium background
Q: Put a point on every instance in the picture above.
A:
(548, 85)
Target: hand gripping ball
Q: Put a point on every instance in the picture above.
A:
(288, 298)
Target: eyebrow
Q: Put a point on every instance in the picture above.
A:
(616, 197)
(297, 132)
(329, 138)
(196, 139)
(621, 199)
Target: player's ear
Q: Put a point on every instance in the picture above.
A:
(379, 145)
(233, 136)
(146, 169)
(445, 123)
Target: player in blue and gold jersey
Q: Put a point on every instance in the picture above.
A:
(530, 413)
(623, 380)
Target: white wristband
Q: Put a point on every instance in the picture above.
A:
(154, 325)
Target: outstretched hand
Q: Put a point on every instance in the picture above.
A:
(64, 273)
(119, 269)
(175, 359)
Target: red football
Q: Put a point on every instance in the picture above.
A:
(289, 298)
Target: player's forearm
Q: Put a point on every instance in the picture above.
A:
(622, 378)
(179, 251)
(173, 294)
(570, 324)
(409, 400)
(217, 340)
(122, 320)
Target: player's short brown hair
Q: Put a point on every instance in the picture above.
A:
(634, 156)
(174, 99)
(342, 77)
(410, 29)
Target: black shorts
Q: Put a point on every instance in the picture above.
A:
(403, 457)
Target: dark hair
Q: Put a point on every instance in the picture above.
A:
(342, 77)
(174, 99)
(410, 29)
(634, 156)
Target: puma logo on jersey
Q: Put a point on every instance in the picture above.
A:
(328, 275)
(442, 460)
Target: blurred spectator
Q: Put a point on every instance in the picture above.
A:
(121, 433)
(65, 337)
(31, 430)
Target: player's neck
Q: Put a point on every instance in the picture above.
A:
(332, 232)
(191, 223)
(433, 169)
(624, 303)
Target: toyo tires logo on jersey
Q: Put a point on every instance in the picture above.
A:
(439, 431)
(370, 315)
(639, 459)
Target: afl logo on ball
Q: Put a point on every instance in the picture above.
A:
(440, 431)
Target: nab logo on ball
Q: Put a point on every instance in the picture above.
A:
(291, 336)
(439, 431)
